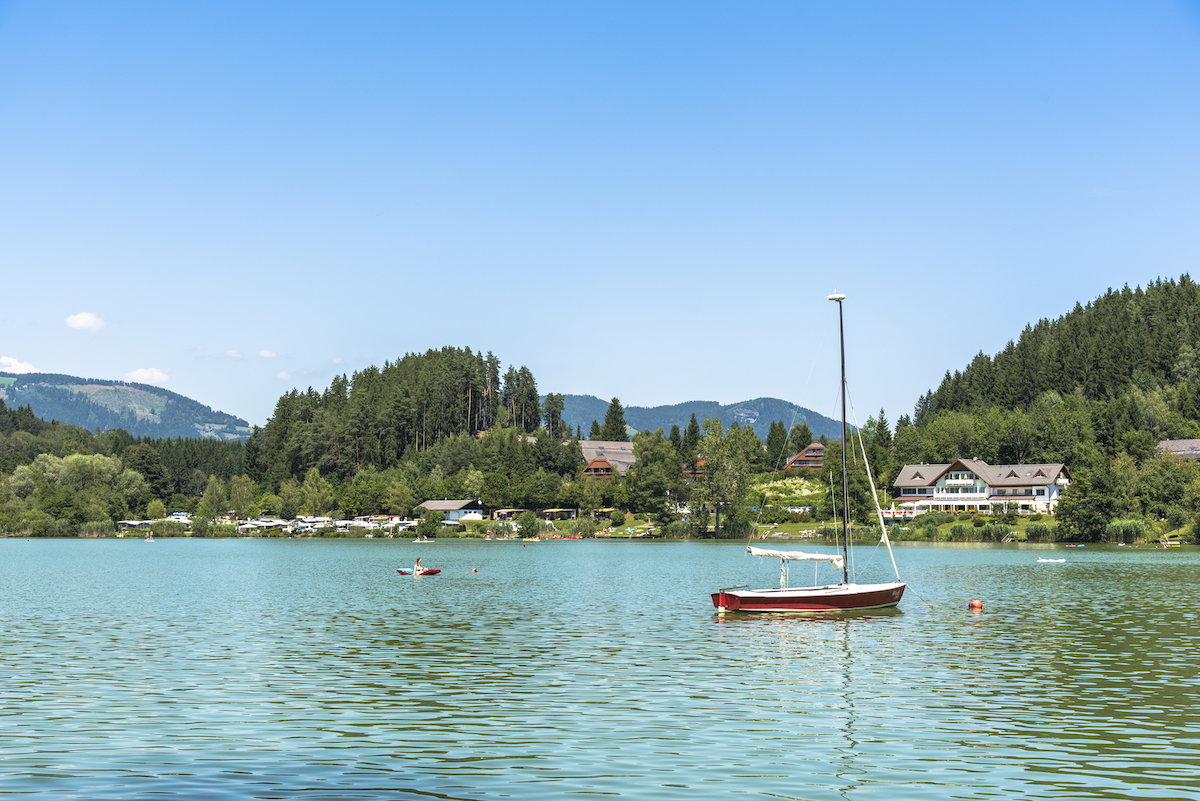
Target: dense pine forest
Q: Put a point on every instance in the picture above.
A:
(1096, 389)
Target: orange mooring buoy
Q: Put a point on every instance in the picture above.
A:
(976, 604)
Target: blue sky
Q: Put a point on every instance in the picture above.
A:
(642, 200)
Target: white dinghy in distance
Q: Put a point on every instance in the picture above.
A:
(839, 597)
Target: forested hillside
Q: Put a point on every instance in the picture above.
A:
(140, 409)
(1097, 389)
(58, 477)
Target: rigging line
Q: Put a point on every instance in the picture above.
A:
(874, 496)
(914, 592)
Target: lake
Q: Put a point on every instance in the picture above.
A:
(309, 669)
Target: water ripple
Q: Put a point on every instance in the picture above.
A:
(307, 669)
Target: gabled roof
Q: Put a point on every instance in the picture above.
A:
(1001, 475)
(1023, 475)
(617, 454)
(449, 506)
(919, 475)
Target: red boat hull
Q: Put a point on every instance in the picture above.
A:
(423, 572)
(835, 598)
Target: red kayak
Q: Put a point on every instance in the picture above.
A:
(423, 572)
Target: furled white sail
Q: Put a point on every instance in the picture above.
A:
(797, 556)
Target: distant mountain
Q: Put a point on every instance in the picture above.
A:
(581, 410)
(140, 409)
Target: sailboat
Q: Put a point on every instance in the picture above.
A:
(839, 597)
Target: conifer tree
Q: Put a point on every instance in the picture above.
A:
(614, 423)
(777, 440)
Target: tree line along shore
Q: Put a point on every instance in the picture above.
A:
(1097, 389)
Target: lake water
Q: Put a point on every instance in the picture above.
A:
(309, 669)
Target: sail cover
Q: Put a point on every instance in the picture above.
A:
(797, 556)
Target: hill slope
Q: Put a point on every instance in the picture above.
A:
(581, 410)
(140, 409)
(1146, 339)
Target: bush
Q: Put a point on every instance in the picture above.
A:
(583, 528)
(930, 532)
(1035, 517)
(736, 528)
(430, 524)
(994, 531)
(1176, 518)
(961, 532)
(1039, 532)
(1128, 531)
(528, 524)
(96, 528)
(168, 528)
(618, 518)
(679, 529)
(935, 518)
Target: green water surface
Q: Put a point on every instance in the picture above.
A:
(305, 669)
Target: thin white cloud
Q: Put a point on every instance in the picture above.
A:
(147, 375)
(337, 361)
(283, 375)
(85, 321)
(267, 354)
(11, 365)
(233, 354)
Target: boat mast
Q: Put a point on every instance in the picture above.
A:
(838, 298)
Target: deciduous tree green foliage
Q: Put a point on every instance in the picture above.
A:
(316, 494)
(655, 483)
(430, 524)
(74, 490)
(614, 423)
(725, 474)
(241, 495)
(862, 508)
(528, 524)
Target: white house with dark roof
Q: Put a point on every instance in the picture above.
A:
(454, 511)
(973, 485)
